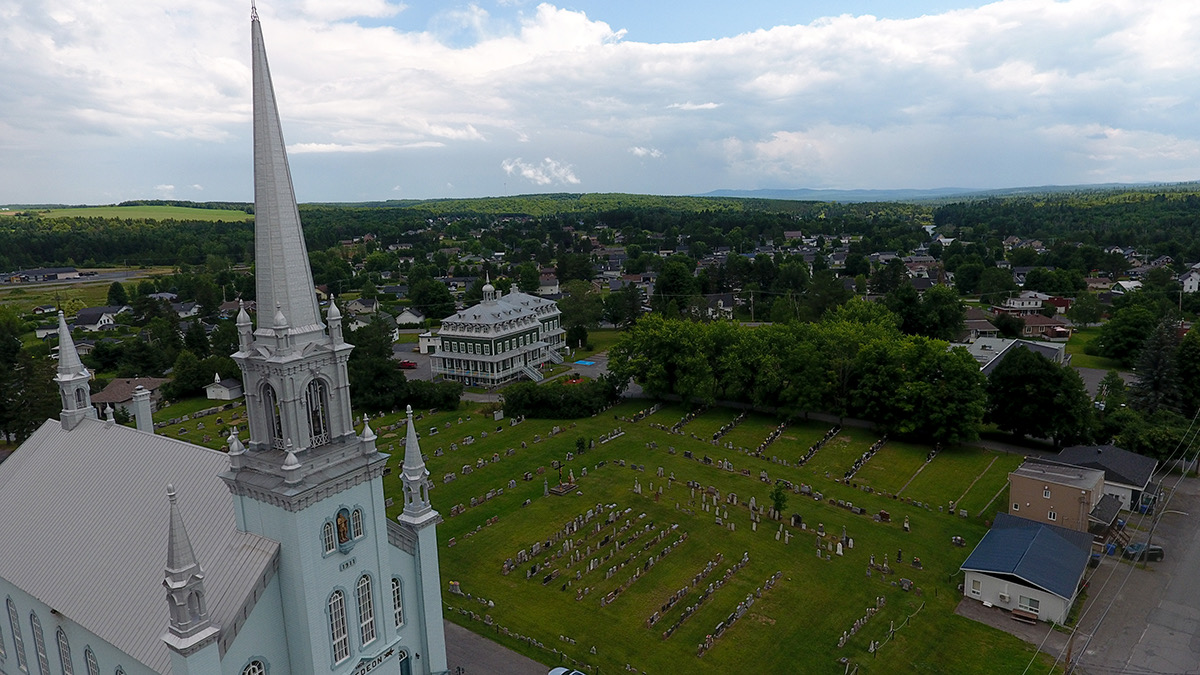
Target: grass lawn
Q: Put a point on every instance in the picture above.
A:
(797, 621)
(950, 474)
(838, 454)
(192, 430)
(25, 298)
(1079, 341)
(149, 213)
(601, 339)
(893, 466)
(993, 481)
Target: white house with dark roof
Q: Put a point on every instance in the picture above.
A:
(504, 338)
(1126, 474)
(1029, 567)
(126, 552)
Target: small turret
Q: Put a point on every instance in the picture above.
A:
(244, 329)
(334, 320)
(190, 626)
(72, 379)
(415, 476)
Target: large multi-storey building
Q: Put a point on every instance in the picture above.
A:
(504, 338)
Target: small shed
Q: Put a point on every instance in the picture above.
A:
(223, 390)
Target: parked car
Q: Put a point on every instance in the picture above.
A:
(408, 365)
(1143, 553)
(564, 671)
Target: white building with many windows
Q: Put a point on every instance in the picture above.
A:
(504, 338)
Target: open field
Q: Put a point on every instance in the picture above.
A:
(145, 213)
(1078, 342)
(797, 621)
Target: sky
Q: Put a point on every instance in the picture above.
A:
(109, 100)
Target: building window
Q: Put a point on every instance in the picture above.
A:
(89, 657)
(397, 603)
(18, 641)
(255, 668)
(64, 654)
(39, 644)
(366, 611)
(317, 397)
(337, 627)
(1028, 604)
(1052, 515)
(976, 587)
(3, 652)
(1016, 506)
(1046, 493)
(356, 523)
(327, 535)
(274, 417)
(120, 671)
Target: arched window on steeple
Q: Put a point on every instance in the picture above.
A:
(89, 657)
(79, 402)
(366, 611)
(338, 633)
(317, 400)
(255, 668)
(274, 416)
(328, 538)
(397, 603)
(356, 523)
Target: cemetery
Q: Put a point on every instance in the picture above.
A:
(645, 538)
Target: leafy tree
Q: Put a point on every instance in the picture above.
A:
(889, 277)
(117, 295)
(1111, 391)
(376, 381)
(432, 298)
(1030, 395)
(580, 305)
(1008, 325)
(967, 277)
(623, 306)
(1086, 310)
(995, 285)
(675, 283)
(577, 336)
(779, 498)
(1187, 363)
(528, 277)
(944, 313)
(1122, 336)
(574, 266)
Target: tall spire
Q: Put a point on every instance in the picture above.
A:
(417, 509)
(72, 379)
(283, 275)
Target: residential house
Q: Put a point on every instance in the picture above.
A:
(362, 306)
(119, 393)
(1046, 328)
(1126, 474)
(1190, 281)
(99, 318)
(1032, 569)
(1022, 305)
(719, 305)
(989, 352)
(548, 285)
(186, 309)
(45, 309)
(410, 317)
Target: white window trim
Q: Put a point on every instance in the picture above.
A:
(328, 537)
(366, 611)
(397, 602)
(338, 634)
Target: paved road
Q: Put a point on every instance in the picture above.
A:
(1154, 623)
(477, 655)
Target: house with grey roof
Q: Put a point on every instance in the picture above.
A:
(99, 318)
(1027, 567)
(505, 337)
(1127, 475)
(130, 552)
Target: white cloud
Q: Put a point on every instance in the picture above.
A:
(197, 187)
(547, 173)
(639, 151)
(165, 191)
(1013, 92)
(694, 106)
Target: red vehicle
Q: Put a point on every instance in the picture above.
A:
(408, 365)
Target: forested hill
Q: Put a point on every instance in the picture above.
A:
(1160, 223)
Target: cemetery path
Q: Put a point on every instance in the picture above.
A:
(477, 655)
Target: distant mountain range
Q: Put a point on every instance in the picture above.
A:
(935, 194)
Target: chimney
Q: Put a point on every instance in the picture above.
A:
(141, 409)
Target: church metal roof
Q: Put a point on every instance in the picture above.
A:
(86, 530)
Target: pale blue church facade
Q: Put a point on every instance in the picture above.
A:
(125, 552)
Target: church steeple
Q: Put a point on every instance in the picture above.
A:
(417, 509)
(190, 627)
(293, 370)
(282, 273)
(72, 379)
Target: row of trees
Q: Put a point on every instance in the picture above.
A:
(558, 400)
(857, 363)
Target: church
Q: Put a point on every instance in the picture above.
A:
(127, 553)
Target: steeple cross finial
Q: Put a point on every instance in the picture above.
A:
(253, 11)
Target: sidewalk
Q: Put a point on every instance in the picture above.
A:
(477, 655)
